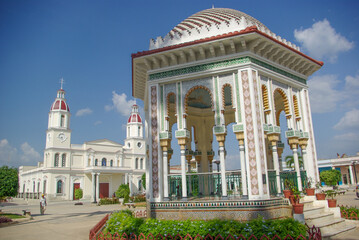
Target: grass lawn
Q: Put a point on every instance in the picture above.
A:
(11, 216)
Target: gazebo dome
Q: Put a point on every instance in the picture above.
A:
(213, 17)
(211, 23)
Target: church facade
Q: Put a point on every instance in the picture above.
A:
(97, 167)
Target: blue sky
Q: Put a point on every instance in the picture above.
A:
(89, 44)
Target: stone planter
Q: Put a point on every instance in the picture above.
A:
(332, 203)
(298, 208)
(310, 191)
(320, 196)
(287, 193)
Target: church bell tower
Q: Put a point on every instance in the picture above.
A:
(58, 134)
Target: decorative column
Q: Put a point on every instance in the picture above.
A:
(188, 158)
(273, 139)
(98, 187)
(293, 143)
(165, 141)
(240, 138)
(93, 197)
(351, 175)
(182, 137)
(221, 137)
(303, 142)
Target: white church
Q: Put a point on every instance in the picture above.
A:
(97, 167)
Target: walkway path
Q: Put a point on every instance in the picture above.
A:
(62, 220)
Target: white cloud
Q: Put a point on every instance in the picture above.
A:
(120, 104)
(83, 112)
(350, 121)
(29, 154)
(10, 156)
(352, 91)
(323, 95)
(351, 136)
(97, 123)
(322, 41)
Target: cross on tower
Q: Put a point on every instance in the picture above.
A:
(62, 82)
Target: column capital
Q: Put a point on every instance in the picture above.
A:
(293, 142)
(273, 138)
(221, 137)
(165, 144)
(303, 142)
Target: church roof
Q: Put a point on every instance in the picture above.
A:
(60, 104)
(135, 116)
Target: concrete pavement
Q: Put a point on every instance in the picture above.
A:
(62, 220)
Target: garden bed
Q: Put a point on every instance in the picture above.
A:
(124, 222)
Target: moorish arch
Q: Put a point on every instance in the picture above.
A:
(198, 97)
(281, 103)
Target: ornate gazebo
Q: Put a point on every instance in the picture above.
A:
(219, 67)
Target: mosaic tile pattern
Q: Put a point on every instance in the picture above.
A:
(221, 64)
(233, 210)
(154, 131)
(250, 134)
(259, 128)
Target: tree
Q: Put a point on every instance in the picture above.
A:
(290, 161)
(9, 182)
(144, 180)
(78, 193)
(330, 177)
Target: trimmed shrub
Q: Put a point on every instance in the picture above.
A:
(124, 222)
(138, 198)
(107, 201)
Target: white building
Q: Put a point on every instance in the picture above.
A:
(97, 167)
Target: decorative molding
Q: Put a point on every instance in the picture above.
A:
(193, 89)
(253, 173)
(238, 128)
(184, 133)
(221, 64)
(154, 131)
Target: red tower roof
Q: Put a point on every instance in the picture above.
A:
(134, 118)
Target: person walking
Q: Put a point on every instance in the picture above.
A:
(42, 204)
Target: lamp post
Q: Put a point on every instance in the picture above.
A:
(355, 172)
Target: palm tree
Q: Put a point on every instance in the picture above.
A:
(290, 161)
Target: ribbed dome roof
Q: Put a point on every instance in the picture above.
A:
(60, 102)
(135, 116)
(213, 16)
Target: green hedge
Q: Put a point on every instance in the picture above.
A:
(107, 201)
(124, 222)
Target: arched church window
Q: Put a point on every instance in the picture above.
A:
(33, 186)
(111, 163)
(62, 124)
(103, 163)
(139, 131)
(59, 186)
(141, 163)
(136, 163)
(63, 160)
(96, 162)
(56, 162)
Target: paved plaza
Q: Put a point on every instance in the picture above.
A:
(64, 220)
